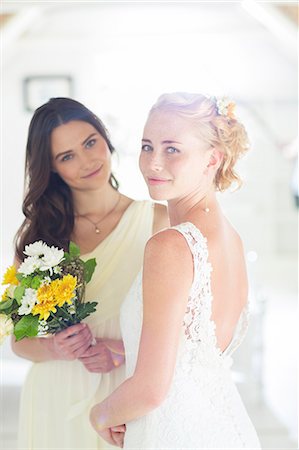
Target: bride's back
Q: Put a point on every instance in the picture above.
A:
(228, 279)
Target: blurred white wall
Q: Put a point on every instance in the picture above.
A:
(121, 56)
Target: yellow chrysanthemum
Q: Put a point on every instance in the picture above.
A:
(4, 295)
(64, 289)
(46, 302)
(10, 276)
(54, 294)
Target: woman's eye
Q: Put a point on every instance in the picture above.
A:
(172, 150)
(90, 143)
(66, 158)
(146, 148)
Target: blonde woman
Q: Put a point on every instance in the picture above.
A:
(186, 312)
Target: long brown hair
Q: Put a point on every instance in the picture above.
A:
(48, 203)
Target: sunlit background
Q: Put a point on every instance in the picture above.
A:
(116, 58)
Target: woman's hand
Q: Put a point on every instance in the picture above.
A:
(118, 434)
(114, 435)
(73, 342)
(103, 356)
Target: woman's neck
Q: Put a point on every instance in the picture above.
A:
(195, 206)
(94, 202)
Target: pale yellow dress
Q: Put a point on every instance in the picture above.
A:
(57, 395)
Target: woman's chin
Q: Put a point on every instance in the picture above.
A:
(159, 196)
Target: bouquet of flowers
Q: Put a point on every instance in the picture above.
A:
(45, 295)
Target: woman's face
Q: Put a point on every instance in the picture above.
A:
(173, 158)
(80, 155)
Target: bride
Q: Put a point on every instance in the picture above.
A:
(187, 311)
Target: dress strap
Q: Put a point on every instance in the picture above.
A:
(199, 249)
(195, 240)
(199, 307)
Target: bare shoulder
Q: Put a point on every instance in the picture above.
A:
(236, 242)
(168, 262)
(161, 219)
(228, 236)
(168, 246)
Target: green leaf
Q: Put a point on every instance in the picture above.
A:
(67, 257)
(6, 304)
(18, 293)
(26, 327)
(61, 320)
(74, 250)
(61, 312)
(36, 282)
(19, 276)
(89, 267)
(26, 281)
(85, 309)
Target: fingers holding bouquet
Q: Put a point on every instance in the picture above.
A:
(72, 342)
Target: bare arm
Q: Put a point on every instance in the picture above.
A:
(107, 354)
(167, 278)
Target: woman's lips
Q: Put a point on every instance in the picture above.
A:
(92, 173)
(157, 181)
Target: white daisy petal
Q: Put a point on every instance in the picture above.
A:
(29, 265)
(52, 257)
(35, 249)
(28, 301)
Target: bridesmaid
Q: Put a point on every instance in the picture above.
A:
(72, 195)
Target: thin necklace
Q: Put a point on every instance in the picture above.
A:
(95, 224)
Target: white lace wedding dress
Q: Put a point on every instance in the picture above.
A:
(203, 409)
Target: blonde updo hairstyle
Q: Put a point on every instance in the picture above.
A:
(217, 129)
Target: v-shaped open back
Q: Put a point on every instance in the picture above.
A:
(198, 324)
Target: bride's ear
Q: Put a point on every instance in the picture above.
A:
(216, 158)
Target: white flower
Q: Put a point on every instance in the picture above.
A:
(29, 265)
(28, 301)
(52, 257)
(42, 328)
(35, 249)
(6, 327)
(222, 105)
(57, 270)
(46, 280)
(72, 309)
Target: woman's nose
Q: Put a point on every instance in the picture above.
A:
(86, 161)
(156, 163)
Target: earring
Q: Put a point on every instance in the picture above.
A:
(206, 209)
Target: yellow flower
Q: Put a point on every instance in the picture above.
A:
(4, 295)
(46, 302)
(54, 294)
(10, 276)
(230, 110)
(64, 290)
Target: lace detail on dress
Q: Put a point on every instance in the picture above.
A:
(202, 409)
(199, 329)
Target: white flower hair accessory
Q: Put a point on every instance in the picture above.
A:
(225, 106)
